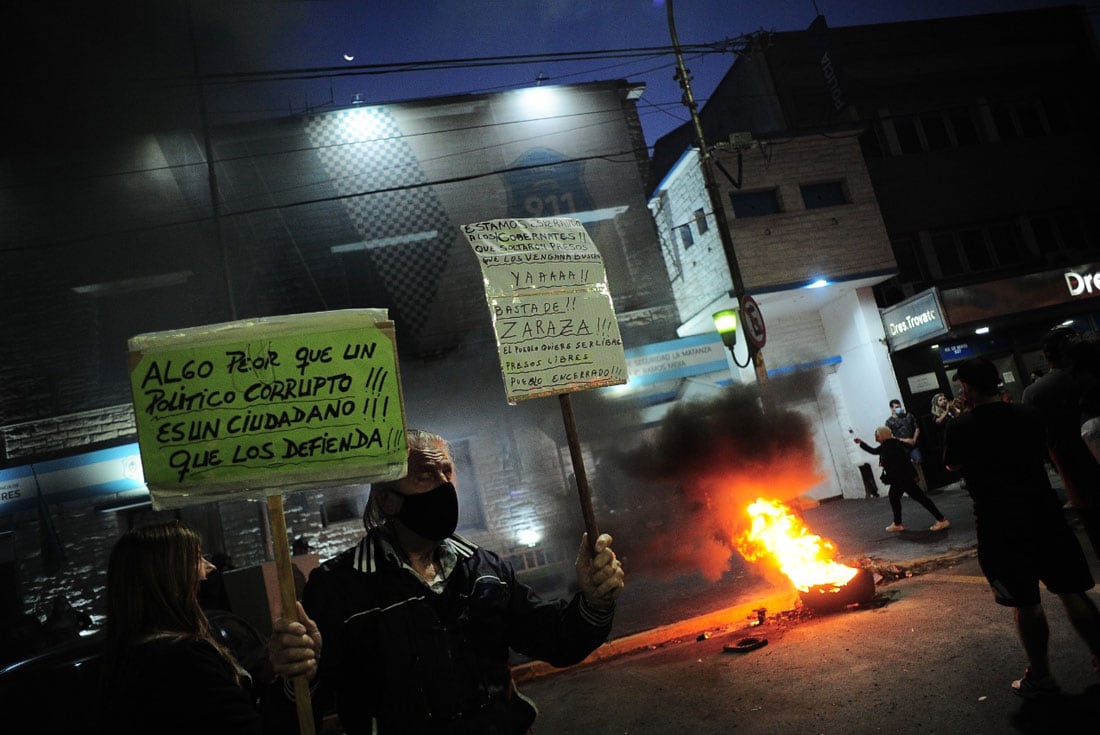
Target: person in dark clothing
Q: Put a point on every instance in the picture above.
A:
(941, 412)
(1023, 536)
(904, 427)
(162, 669)
(1065, 397)
(901, 476)
(417, 622)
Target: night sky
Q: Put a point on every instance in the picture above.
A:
(270, 58)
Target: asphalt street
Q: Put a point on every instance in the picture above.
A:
(929, 653)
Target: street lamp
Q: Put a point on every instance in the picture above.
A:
(726, 321)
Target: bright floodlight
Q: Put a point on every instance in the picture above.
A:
(529, 537)
(540, 101)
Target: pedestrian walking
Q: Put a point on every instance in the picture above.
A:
(900, 475)
(1023, 536)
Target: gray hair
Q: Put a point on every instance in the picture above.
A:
(417, 440)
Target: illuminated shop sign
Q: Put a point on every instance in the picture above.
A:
(1082, 283)
(914, 320)
(980, 301)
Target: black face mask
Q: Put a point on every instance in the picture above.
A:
(432, 515)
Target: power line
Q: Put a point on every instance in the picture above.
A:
(383, 139)
(26, 245)
(733, 45)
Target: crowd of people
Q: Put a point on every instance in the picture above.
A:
(1000, 450)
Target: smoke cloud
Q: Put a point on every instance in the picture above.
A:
(692, 478)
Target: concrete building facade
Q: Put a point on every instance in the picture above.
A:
(354, 208)
(976, 136)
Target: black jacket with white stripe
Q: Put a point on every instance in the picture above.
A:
(401, 658)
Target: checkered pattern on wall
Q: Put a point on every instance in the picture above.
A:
(402, 220)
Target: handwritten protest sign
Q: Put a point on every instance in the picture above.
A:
(266, 406)
(550, 304)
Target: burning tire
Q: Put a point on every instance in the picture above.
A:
(830, 598)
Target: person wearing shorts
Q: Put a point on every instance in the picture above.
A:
(1023, 536)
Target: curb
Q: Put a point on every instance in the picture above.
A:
(690, 628)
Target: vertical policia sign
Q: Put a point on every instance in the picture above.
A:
(264, 407)
(555, 325)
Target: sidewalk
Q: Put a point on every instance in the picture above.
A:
(858, 528)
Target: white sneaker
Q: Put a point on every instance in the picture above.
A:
(895, 527)
(939, 525)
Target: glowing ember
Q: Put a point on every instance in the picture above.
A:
(777, 536)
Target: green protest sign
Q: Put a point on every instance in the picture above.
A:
(268, 406)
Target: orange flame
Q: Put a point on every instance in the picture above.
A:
(777, 536)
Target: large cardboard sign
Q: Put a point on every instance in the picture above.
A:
(551, 307)
(267, 406)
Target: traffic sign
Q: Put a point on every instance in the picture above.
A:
(753, 322)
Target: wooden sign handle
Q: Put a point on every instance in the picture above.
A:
(289, 598)
(583, 492)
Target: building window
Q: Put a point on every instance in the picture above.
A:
(975, 250)
(685, 236)
(1006, 244)
(1057, 114)
(935, 131)
(1031, 125)
(755, 203)
(1018, 120)
(911, 267)
(947, 254)
(908, 139)
(1069, 229)
(701, 221)
(962, 123)
(870, 142)
(1064, 232)
(1043, 229)
(1006, 126)
(828, 194)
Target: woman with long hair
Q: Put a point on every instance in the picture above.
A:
(163, 671)
(943, 410)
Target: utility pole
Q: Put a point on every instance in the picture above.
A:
(714, 192)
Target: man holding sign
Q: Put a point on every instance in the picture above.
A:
(416, 623)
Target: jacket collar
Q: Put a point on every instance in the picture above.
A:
(377, 547)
